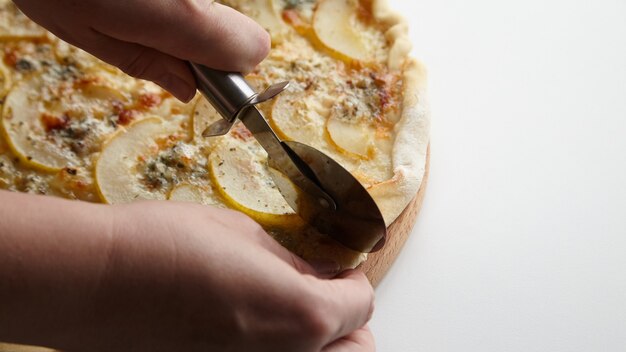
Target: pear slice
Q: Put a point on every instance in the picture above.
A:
(38, 111)
(116, 174)
(240, 173)
(25, 133)
(333, 24)
(5, 79)
(299, 116)
(15, 25)
(194, 194)
(266, 14)
(204, 115)
(352, 139)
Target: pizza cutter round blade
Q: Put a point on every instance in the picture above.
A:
(356, 222)
(327, 196)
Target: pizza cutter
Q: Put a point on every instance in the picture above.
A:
(319, 190)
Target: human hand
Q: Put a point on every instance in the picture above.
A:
(151, 39)
(184, 277)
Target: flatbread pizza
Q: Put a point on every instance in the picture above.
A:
(75, 127)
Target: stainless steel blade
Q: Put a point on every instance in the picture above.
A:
(353, 218)
(357, 222)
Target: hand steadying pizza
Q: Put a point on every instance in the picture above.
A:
(163, 276)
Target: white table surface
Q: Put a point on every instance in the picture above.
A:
(521, 242)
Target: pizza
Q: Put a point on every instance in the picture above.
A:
(73, 126)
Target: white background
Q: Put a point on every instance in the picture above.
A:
(521, 242)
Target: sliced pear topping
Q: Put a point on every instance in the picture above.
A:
(241, 175)
(269, 18)
(194, 194)
(204, 115)
(93, 95)
(298, 13)
(186, 193)
(353, 139)
(52, 122)
(334, 25)
(26, 133)
(5, 79)
(299, 116)
(265, 13)
(116, 169)
(360, 119)
(15, 25)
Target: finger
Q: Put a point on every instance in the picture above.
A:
(256, 233)
(146, 63)
(285, 255)
(349, 299)
(323, 269)
(361, 340)
(200, 30)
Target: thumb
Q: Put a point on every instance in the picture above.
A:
(349, 303)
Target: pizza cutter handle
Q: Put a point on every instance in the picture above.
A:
(228, 92)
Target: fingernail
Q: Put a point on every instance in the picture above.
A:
(180, 88)
(325, 267)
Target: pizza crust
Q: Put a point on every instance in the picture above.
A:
(413, 129)
(396, 33)
(410, 147)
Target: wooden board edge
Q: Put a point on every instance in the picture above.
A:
(379, 263)
(7, 347)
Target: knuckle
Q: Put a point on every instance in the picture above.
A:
(372, 306)
(367, 290)
(297, 263)
(315, 323)
(247, 225)
(198, 12)
(137, 64)
(248, 41)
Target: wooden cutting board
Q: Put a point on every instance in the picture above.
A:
(377, 264)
